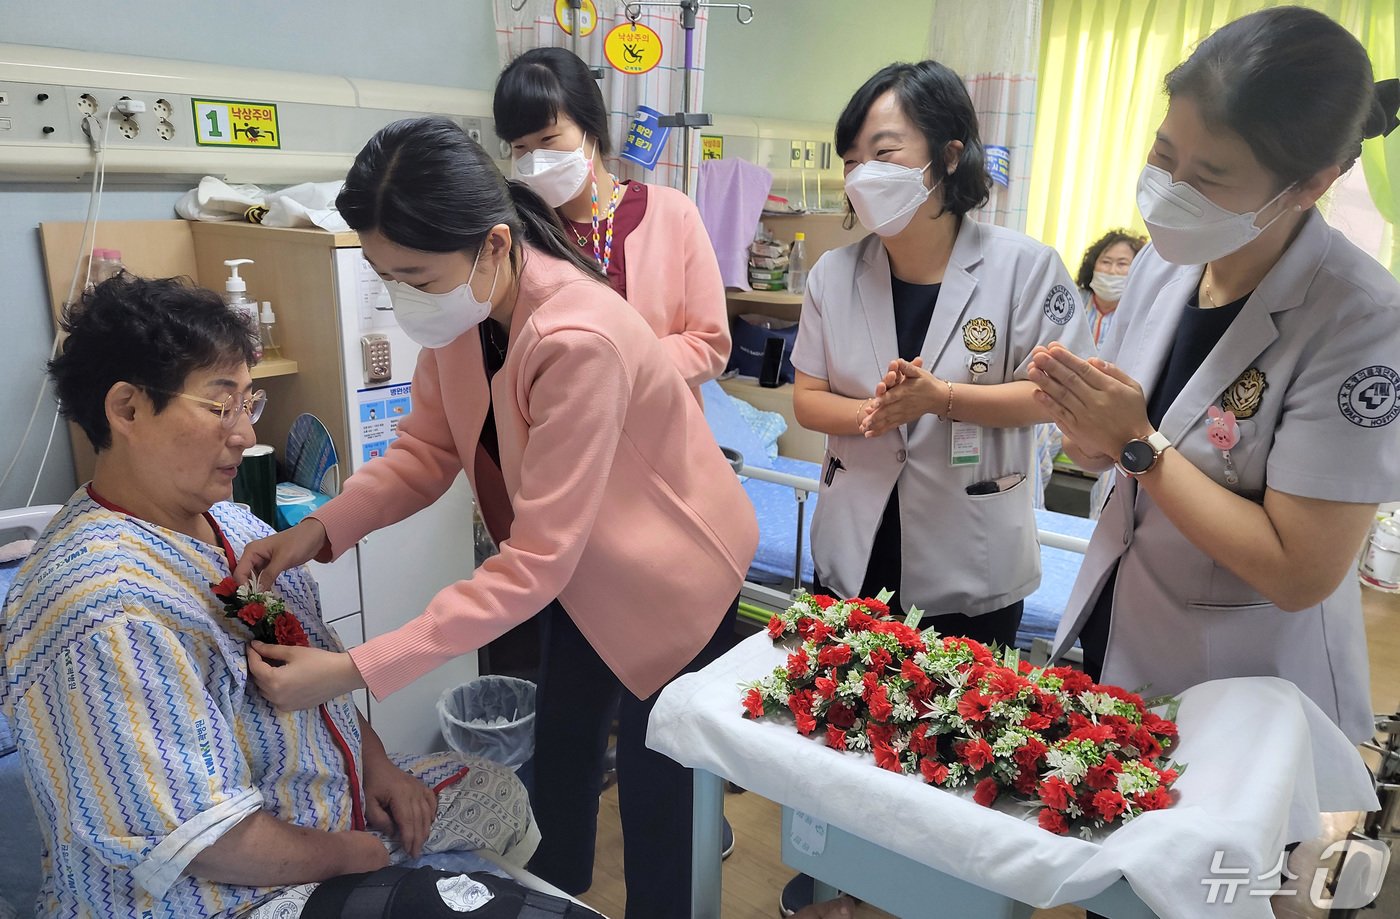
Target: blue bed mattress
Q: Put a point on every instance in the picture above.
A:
(1058, 569)
(776, 508)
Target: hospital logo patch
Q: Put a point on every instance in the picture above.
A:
(1370, 398)
(1059, 304)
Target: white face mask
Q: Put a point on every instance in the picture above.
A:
(886, 195)
(437, 320)
(1187, 227)
(557, 176)
(1108, 287)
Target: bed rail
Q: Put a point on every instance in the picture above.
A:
(803, 487)
(32, 520)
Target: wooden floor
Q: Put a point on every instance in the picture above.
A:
(754, 875)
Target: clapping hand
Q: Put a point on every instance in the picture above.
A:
(907, 393)
(1098, 406)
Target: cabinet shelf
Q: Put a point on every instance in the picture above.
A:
(274, 367)
(767, 297)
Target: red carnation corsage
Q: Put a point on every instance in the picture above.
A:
(263, 613)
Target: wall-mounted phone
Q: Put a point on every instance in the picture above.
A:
(374, 354)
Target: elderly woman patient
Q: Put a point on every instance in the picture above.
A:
(166, 785)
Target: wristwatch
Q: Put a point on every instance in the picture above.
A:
(1140, 454)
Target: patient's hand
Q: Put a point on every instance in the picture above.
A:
(397, 804)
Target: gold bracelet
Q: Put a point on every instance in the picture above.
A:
(859, 409)
(948, 412)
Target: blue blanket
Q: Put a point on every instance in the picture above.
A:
(7, 577)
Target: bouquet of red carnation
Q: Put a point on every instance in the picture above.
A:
(265, 614)
(958, 714)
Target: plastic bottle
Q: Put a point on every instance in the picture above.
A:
(103, 264)
(96, 262)
(797, 265)
(1382, 559)
(236, 296)
(265, 331)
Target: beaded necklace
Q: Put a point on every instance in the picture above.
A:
(603, 254)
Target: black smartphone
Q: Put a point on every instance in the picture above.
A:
(771, 369)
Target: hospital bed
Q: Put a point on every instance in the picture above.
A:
(26, 523)
(784, 496)
(783, 491)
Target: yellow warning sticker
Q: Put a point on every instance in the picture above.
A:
(221, 123)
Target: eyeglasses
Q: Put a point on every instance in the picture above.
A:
(230, 407)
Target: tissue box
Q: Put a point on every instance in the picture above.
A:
(295, 503)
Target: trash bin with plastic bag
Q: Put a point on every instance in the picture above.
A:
(491, 716)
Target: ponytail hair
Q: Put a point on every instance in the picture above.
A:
(543, 230)
(423, 184)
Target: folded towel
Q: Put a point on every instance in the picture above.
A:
(730, 196)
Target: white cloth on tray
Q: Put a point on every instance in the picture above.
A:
(1263, 761)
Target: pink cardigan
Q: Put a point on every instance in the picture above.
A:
(673, 280)
(623, 507)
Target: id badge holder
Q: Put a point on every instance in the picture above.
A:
(966, 443)
(977, 367)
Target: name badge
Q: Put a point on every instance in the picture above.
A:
(967, 444)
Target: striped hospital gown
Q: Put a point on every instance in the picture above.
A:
(142, 740)
(1099, 323)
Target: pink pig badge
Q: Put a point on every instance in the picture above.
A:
(1222, 429)
(1224, 434)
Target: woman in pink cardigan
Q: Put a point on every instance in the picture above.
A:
(648, 239)
(650, 243)
(590, 459)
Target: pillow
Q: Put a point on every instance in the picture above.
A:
(730, 427)
(16, 551)
(768, 426)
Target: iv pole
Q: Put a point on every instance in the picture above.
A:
(576, 6)
(685, 119)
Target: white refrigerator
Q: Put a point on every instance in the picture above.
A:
(397, 570)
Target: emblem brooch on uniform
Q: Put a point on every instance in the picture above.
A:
(1239, 401)
(1244, 395)
(979, 337)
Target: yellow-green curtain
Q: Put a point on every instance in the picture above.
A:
(1380, 33)
(1100, 100)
